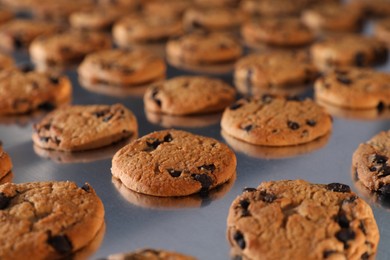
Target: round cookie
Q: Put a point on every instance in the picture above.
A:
(47, 220)
(5, 163)
(150, 254)
(66, 47)
(275, 8)
(122, 67)
(141, 28)
(348, 50)
(212, 19)
(305, 221)
(371, 164)
(281, 31)
(174, 8)
(276, 121)
(382, 30)
(59, 10)
(204, 48)
(354, 88)
(79, 128)
(188, 95)
(173, 163)
(271, 70)
(334, 17)
(25, 91)
(99, 18)
(19, 33)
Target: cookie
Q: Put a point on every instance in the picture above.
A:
(150, 254)
(59, 10)
(332, 17)
(25, 91)
(79, 128)
(173, 163)
(5, 16)
(204, 48)
(174, 8)
(188, 95)
(217, 3)
(139, 28)
(273, 7)
(371, 164)
(122, 67)
(213, 19)
(382, 30)
(47, 220)
(272, 70)
(354, 88)
(129, 4)
(19, 33)
(304, 220)
(67, 47)
(6, 62)
(348, 50)
(275, 121)
(5, 163)
(97, 19)
(285, 32)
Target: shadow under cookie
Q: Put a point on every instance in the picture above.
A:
(220, 68)
(269, 152)
(192, 201)
(195, 121)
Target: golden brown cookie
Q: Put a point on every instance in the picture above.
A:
(98, 18)
(174, 8)
(275, 8)
(47, 220)
(276, 121)
(150, 254)
(188, 95)
(78, 128)
(173, 163)
(305, 221)
(59, 10)
(382, 30)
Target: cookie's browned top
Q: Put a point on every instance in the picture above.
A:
(150, 254)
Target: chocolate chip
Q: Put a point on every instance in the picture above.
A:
(209, 167)
(54, 80)
(26, 68)
(365, 256)
(385, 189)
(86, 187)
(338, 187)
(372, 169)
(60, 243)
(168, 138)
(18, 42)
(360, 59)
(293, 98)
(345, 234)
(249, 190)
(248, 128)
(153, 143)
(344, 79)
(380, 107)
(380, 159)
(328, 253)
(235, 106)
(196, 25)
(311, 122)
(204, 180)
(267, 197)
(46, 106)
(174, 173)
(44, 139)
(292, 125)
(385, 171)
(100, 113)
(4, 201)
(342, 220)
(239, 238)
(244, 204)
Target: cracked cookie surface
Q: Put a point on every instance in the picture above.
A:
(78, 128)
(187, 95)
(173, 163)
(47, 220)
(300, 220)
(371, 163)
(275, 121)
(150, 254)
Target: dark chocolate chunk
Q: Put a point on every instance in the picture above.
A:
(344, 79)
(360, 59)
(204, 180)
(342, 220)
(196, 25)
(267, 197)
(292, 125)
(153, 143)
(86, 187)
(46, 106)
(385, 189)
(248, 128)
(54, 80)
(27, 68)
(168, 138)
(44, 139)
(100, 113)
(4, 201)
(249, 190)
(372, 169)
(328, 253)
(209, 167)
(385, 171)
(60, 243)
(338, 187)
(311, 122)
(380, 107)
(174, 173)
(365, 256)
(380, 159)
(235, 106)
(18, 42)
(244, 204)
(239, 238)
(345, 234)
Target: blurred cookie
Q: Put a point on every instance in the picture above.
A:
(173, 163)
(150, 254)
(122, 67)
(129, 4)
(47, 220)
(67, 47)
(5, 16)
(59, 10)
(19, 33)
(6, 62)
(25, 91)
(98, 19)
(382, 30)
(286, 31)
(275, 8)
(217, 3)
(272, 70)
(173, 8)
(187, 95)
(348, 50)
(354, 88)
(79, 128)
(331, 221)
(371, 163)
(275, 121)
(5, 163)
(204, 48)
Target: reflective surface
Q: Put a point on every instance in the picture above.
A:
(193, 225)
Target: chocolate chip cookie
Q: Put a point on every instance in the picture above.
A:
(277, 69)
(275, 8)
(173, 163)
(66, 47)
(78, 128)
(47, 220)
(217, 3)
(59, 10)
(277, 31)
(173, 8)
(150, 254)
(25, 91)
(204, 48)
(371, 164)
(97, 19)
(5, 163)
(304, 220)
(348, 50)
(187, 95)
(382, 30)
(122, 67)
(354, 88)
(275, 121)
